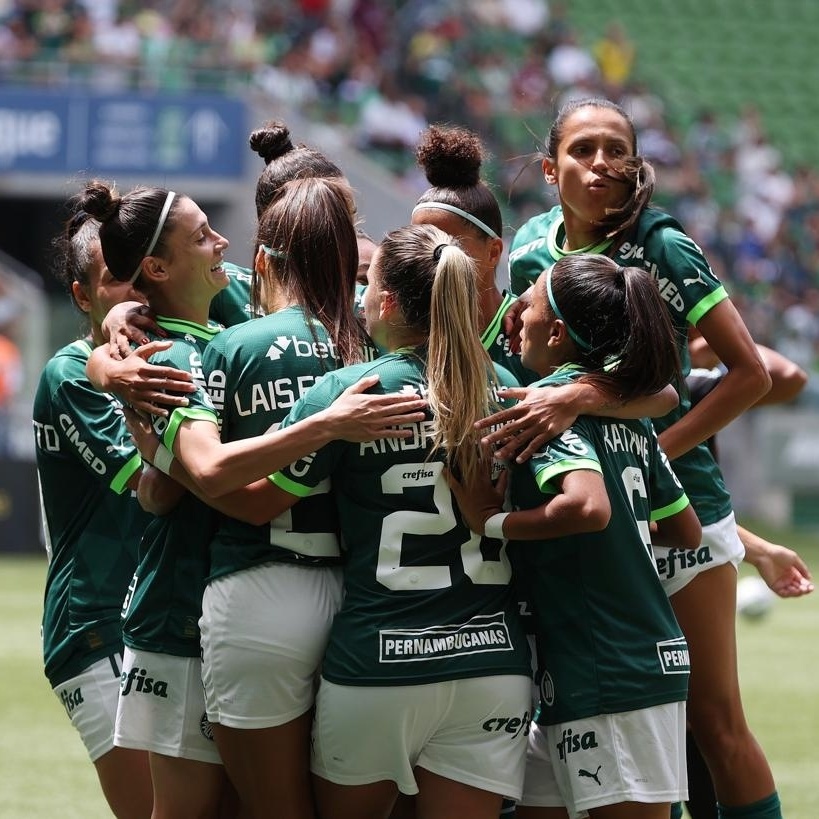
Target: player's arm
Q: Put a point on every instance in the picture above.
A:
(218, 468)
(580, 505)
(682, 530)
(160, 489)
(788, 379)
(781, 568)
(157, 493)
(745, 382)
(257, 504)
(544, 412)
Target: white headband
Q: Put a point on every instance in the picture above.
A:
(453, 209)
(166, 209)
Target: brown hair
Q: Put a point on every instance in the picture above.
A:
(284, 161)
(73, 249)
(309, 227)
(127, 223)
(451, 159)
(628, 340)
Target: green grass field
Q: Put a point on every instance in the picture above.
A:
(46, 773)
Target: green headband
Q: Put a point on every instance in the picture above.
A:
(273, 252)
(580, 342)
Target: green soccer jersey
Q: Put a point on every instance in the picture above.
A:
(233, 304)
(607, 638)
(358, 299)
(497, 345)
(255, 373)
(425, 599)
(688, 287)
(164, 603)
(92, 521)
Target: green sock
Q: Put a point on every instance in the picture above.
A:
(767, 808)
(676, 810)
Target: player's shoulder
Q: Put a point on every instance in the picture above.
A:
(656, 226)
(237, 334)
(184, 335)
(565, 374)
(68, 363)
(536, 227)
(184, 348)
(346, 376)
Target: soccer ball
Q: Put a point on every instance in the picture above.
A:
(754, 598)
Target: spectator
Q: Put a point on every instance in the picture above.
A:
(615, 56)
(392, 124)
(569, 64)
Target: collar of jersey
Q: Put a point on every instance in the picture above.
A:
(553, 243)
(417, 350)
(180, 327)
(494, 327)
(569, 366)
(609, 366)
(84, 346)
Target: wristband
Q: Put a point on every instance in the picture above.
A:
(493, 525)
(163, 458)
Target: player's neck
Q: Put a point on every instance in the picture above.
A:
(490, 302)
(183, 308)
(401, 337)
(579, 234)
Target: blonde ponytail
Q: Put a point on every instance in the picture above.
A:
(458, 367)
(435, 285)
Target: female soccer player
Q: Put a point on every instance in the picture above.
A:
(283, 161)
(427, 643)
(88, 470)
(164, 242)
(275, 585)
(604, 190)
(461, 204)
(610, 738)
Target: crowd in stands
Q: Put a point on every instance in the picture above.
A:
(383, 69)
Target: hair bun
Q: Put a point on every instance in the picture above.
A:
(271, 141)
(451, 157)
(99, 200)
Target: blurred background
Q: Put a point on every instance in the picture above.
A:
(722, 92)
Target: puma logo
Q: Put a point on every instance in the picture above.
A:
(698, 279)
(590, 775)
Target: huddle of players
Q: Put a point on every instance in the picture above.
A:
(418, 637)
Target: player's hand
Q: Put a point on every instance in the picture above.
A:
(512, 322)
(148, 387)
(126, 323)
(142, 434)
(357, 416)
(478, 499)
(520, 431)
(784, 571)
